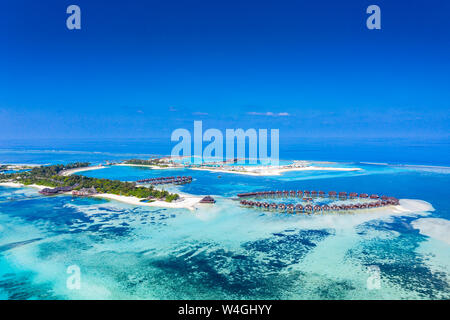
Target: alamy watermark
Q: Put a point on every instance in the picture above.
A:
(73, 281)
(255, 141)
(374, 20)
(73, 22)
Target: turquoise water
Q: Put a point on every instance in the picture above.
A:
(225, 251)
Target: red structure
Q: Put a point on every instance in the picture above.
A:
(308, 198)
(166, 180)
(208, 199)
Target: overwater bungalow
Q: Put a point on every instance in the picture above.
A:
(343, 195)
(208, 199)
(308, 198)
(353, 195)
(166, 180)
(393, 201)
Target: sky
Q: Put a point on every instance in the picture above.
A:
(146, 68)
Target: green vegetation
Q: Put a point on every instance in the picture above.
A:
(150, 162)
(49, 176)
(47, 171)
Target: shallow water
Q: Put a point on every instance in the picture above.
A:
(223, 250)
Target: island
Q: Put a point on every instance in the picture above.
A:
(56, 179)
(154, 163)
(233, 166)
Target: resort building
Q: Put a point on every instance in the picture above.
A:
(208, 199)
(54, 191)
(84, 192)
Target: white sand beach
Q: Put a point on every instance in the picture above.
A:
(11, 184)
(75, 170)
(20, 185)
(273, 171)
(187, 202)
(145, 165)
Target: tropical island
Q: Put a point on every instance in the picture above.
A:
(154, 163)
(149, 162)
(61, 179)
(52, 176)
(235, 166)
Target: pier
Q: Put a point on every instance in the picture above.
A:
(167, 180)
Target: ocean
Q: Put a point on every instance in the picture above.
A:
(224, 251)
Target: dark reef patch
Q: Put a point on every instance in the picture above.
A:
(20, 287)
(399, 261)
(260, 270)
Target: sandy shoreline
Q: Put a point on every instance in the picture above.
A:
(275, 171)
(186, 201)
(251, 171)
(145, 165)
(75, 170)
(20, 185)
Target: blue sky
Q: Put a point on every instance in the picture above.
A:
(145, 68)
